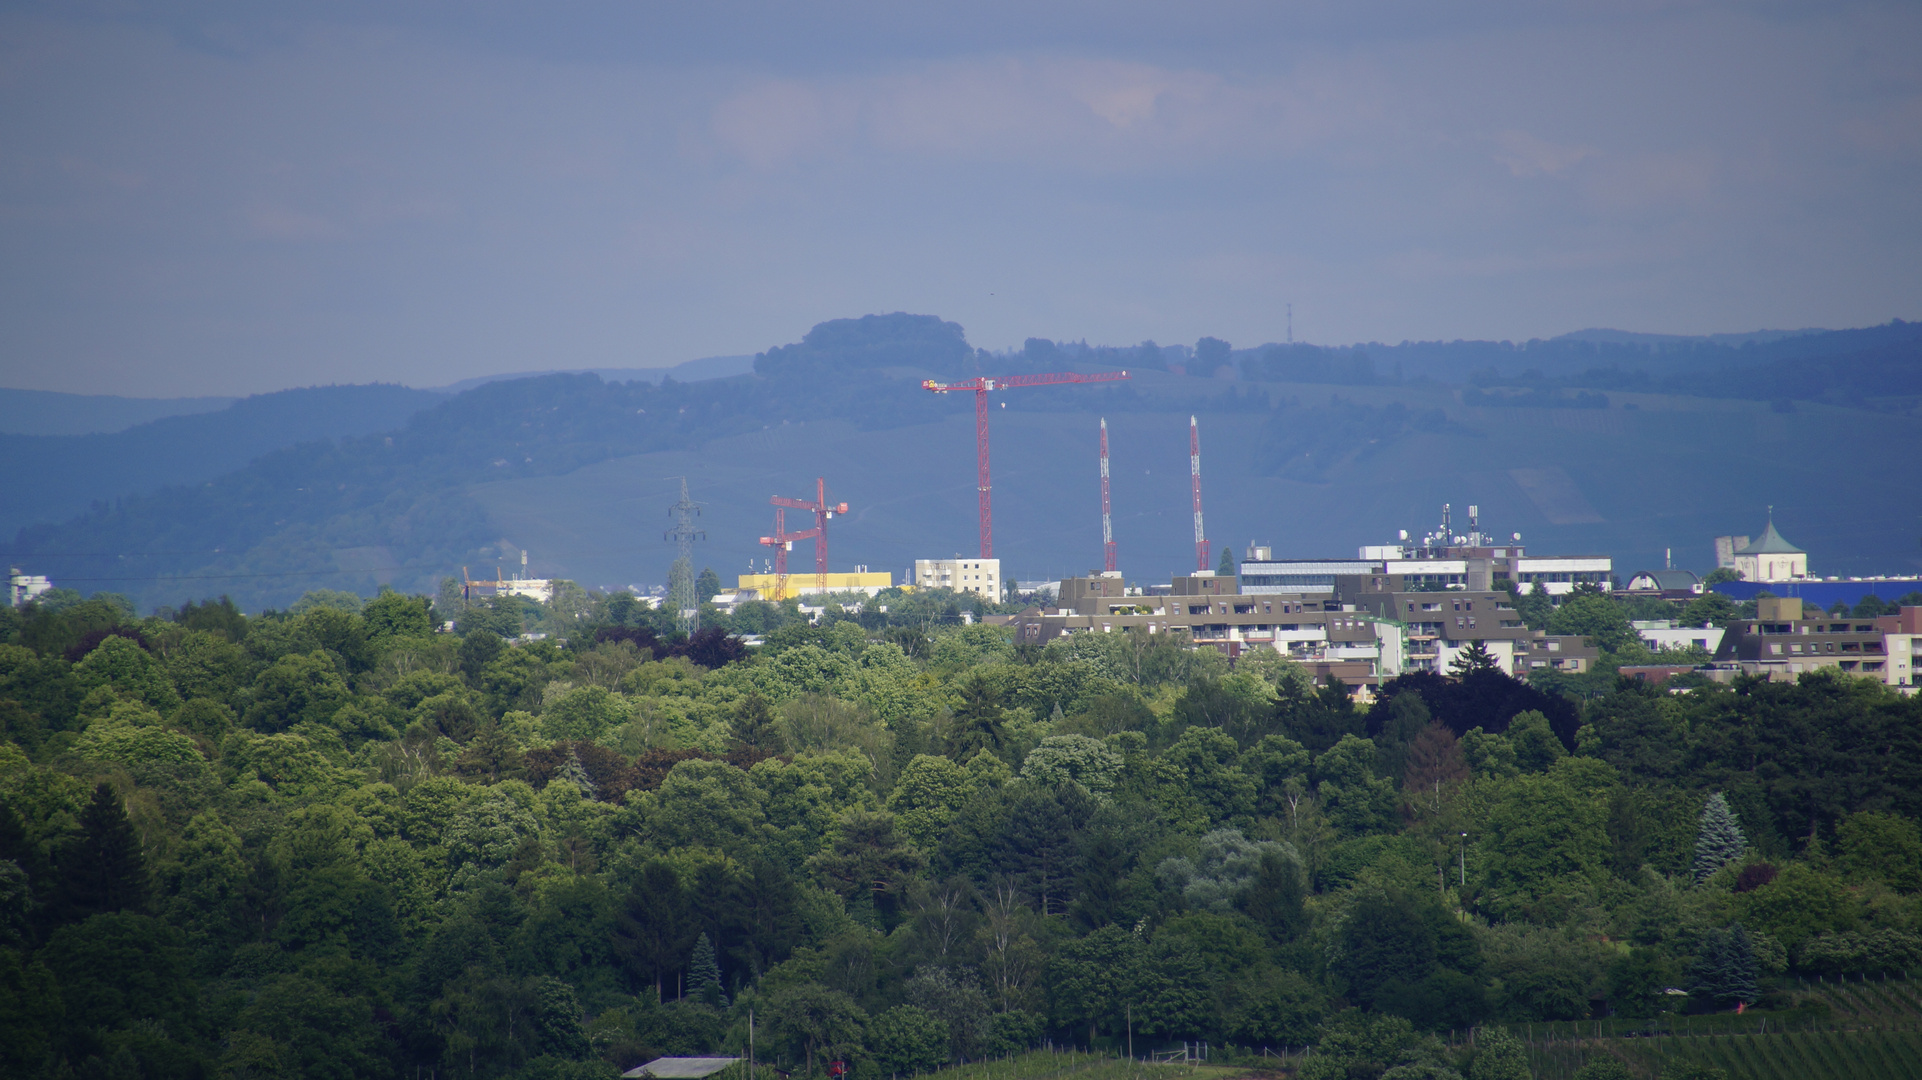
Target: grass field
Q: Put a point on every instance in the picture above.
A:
(1864, 1054)
(1869, 1030)
(1073, 1065)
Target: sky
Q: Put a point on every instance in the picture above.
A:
(231, 198)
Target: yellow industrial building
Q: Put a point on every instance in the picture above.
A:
(806, 584)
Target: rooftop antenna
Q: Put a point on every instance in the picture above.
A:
(1194, 470)
(1107, 522)
(686, 611)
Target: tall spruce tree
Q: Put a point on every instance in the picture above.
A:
(704, 973)
(1725, 968)
(1718, 838)
(103, 869)
(754, 726)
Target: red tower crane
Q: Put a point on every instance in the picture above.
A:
(1107, 524)
(782, 540)
(981, 387)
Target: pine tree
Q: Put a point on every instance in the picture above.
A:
(1718, 840)
(754, 727)
(103, 870)
(1743, 968)
(1725, 968)
(1473, 660)
(574, 773)
(704, 973)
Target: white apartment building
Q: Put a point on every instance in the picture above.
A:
(22, 588)
(979, 576)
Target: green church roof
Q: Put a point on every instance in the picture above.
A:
(1770, 543)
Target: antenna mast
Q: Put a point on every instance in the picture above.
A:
(686, 609)
(1194, 470)
(1107, 523)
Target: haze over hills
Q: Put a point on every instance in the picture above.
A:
(1309, 449)
(51, 477)
(44, 412)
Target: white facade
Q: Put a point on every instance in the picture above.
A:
(22, 588)
(1781, 566)
(979, 576)
(540, 589)
(1299, 576)
(1666, 635)
(1559, 577)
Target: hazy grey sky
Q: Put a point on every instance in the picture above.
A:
(237, 197)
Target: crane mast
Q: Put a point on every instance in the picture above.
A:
(783, 541)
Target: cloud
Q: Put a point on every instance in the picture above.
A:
(266, 221)
(1525, 155)
(1053, 111)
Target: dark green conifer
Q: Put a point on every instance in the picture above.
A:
(704, 973)
(103, 870)
(1718, 838)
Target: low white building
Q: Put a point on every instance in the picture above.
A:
(1664, 634)
(979, 576)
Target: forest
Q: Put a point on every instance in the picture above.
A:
(406, 837)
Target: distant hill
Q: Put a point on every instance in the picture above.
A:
(708, 367)
(48, 478)
(1317, 456)
(43, 412)
(1598, 358)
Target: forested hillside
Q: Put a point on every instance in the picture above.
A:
(50, 478)
(1310, 450)
(334, 842)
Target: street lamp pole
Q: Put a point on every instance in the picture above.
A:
(1464, 860)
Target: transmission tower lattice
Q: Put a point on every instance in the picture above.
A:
(686, 607)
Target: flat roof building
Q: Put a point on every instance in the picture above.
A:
(979, 576)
